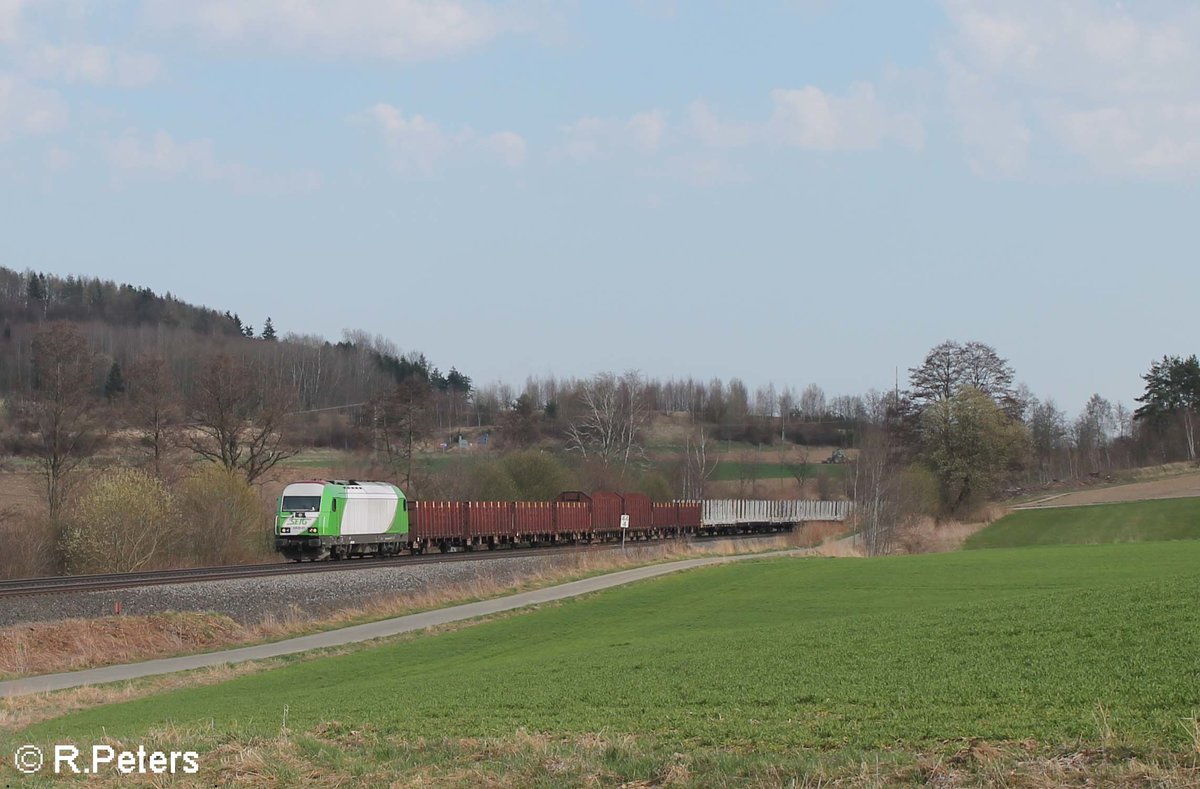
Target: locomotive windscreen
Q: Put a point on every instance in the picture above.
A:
(301, 503)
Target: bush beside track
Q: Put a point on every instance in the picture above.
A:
(734, 672)
(1135, 521)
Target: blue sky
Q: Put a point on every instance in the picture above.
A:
(797, 191)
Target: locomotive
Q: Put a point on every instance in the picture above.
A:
(340, 519)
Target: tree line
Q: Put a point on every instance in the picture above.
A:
(962, 433)
(86, 363)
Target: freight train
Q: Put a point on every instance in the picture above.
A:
(340, 519)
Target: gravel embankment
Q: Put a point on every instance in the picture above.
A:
(251, 600)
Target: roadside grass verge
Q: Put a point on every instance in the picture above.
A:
(1058, 664)
(76, 644)
(1134, 521)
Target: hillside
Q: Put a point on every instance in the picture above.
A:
(1132, 521)
(124, 322)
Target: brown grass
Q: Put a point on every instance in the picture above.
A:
(930, 536)
(328, 756)
(76, 644)
(839, 548)
(51, 647)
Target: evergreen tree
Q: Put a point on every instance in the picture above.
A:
(1173, 389)
(114, 386)
(34, 291)
(268, 332)
(248, 331)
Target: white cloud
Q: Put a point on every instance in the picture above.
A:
(811, 119)
(91, 64)
(716, 133)
(1115, 84)
(391, 29)
(592, 137)
(160, 156)
(807, 118)
(28, 110)
(417, 145)
(10, 18)
(646, 130)
(508, 146)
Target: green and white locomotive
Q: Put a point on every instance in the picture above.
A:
(337, 519)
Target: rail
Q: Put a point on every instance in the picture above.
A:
(105, 581)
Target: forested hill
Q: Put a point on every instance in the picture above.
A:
(125, 322)
(33, 297)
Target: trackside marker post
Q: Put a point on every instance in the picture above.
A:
(624, 528)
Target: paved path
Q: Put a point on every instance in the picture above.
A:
(367, 632)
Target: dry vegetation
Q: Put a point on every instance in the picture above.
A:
(329, 756)
(927, 535)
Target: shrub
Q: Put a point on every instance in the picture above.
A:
(121, 522)
(490, 481)
(537, 476)
(223, 521)
(655, 486)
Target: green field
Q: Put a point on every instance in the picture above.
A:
(1135, 521)
(743, 668)
(731, 471)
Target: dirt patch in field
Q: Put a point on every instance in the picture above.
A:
(1173, 487)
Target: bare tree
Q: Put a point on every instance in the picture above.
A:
(812, 402)
(612, 416)
(401, 420)
(950, 367)
(882, 500)
(801, 471)
(787, 402)
(697, 467)
(60, 413)
(237, 417)
(152, 407)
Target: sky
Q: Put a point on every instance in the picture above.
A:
(797, 191)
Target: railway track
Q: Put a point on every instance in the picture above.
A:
(105, 581)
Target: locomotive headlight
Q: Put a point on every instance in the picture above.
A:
(312, 529)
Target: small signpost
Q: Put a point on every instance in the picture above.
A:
(624, 528)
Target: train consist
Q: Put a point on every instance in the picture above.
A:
(338, 519)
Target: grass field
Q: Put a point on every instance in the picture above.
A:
(1134, 521)
(732, 673)
(727, 471)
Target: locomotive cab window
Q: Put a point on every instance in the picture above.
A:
(301, 503)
